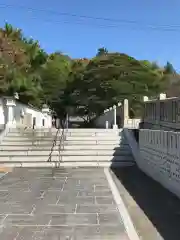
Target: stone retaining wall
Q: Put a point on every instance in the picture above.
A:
(160, 156)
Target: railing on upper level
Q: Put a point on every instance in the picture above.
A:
(162, 113)
(132, 123)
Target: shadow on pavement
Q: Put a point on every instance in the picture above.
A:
(161, 207)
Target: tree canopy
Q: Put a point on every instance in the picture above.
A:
(86, 86)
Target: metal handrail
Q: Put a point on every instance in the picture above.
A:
(62, 140)
(53, 145)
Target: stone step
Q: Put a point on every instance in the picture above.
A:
(37, 152)
(43, 147)
(27, 142)
(92, 134)
(28, 138)
(15, 130)
(65, 164)
(21, 134)
(95, 142)
(86, 130)
(92, 138)
(40, 158)
(97, 147)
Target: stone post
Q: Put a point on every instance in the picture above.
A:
(162, 96)
(125, 112)
(115, 125)
(145, 98)
(45, 111)
(10, 104)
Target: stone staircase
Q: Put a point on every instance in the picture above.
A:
(82, 147)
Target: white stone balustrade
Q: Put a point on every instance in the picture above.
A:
(160, 156)
(163, 112)
(121, 112)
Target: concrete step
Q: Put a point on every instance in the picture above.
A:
(27, 138)
(15, 131)
(41, 158)
(37, 152)
(95, 142)
(92, 134)
(13, 135)
(25, 148)
(92, 138)
(97, 130)
(43, 147)
(26, 143)
(96, 147)
(65, 164)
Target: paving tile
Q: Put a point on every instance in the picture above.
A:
(30, 233)
(56, 209)
(15, 208)
(99, 233)
(96, 208)
(74, 219)
(99, 188)
(2, 217)
(77, 200)
(24, 220)
(97, 193)
(105, 200)
(109, 218)
(65, 203)
(9, 233)
(58, 233)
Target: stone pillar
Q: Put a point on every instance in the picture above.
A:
(145, 98)
(125, 112)
(10, 104)
(162, 96)
(115, 125)
(45, 111)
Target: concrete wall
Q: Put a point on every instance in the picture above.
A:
(19, 112)
(160, 157)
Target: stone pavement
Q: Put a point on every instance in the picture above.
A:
(58, 204)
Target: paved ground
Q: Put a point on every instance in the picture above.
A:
(58, 204)
(154, 210)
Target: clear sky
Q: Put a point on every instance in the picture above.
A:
(81, 37)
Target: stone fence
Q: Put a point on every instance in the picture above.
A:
(162, 113)
(160, 157)
(16, 114)
(117, 116)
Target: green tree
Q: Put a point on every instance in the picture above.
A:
(169, 69)
(102, 51)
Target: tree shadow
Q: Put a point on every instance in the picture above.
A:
(160, 206)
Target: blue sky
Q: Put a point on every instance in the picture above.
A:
(83, 40)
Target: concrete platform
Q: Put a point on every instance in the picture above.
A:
(59, 203)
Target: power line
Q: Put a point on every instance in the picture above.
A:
(137, 24)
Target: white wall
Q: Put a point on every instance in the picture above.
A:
(34, 112)
(109, 116)
(160, 157)
(101, 120)
(17, 114)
